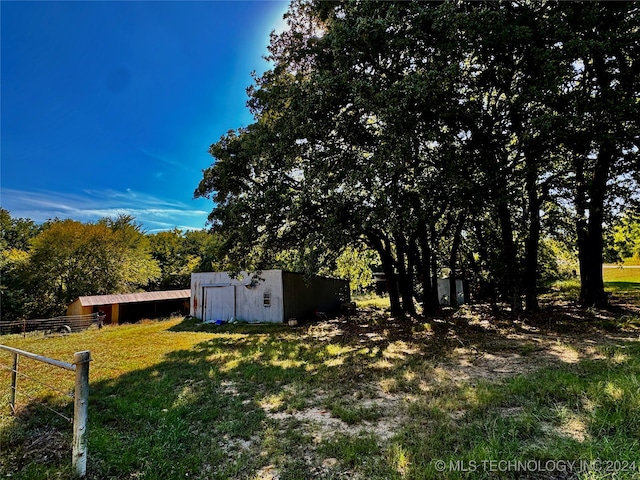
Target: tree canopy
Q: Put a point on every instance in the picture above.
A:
(447, 137)
(45, 267)
(70, 259)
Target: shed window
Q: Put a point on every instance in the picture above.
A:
(267, 299)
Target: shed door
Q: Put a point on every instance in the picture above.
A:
(219, 303)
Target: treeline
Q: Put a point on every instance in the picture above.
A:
(45, 267)
(472, 137)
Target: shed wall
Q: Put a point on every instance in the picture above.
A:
(111, 312)
(76, 308)
(303, 296)
(211, 297)
(131, 311)
(443, 291)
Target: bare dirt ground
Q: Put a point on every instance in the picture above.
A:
(467, 346)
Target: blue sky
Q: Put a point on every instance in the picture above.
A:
(110, 107)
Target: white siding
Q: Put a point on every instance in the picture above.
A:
(248, 295)
(219, 303)
(443, 291)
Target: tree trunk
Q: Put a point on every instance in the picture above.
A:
(530, 279)
(592, 292)
(590, 232)
(392, 283)
(510, 258)
(405, 276)
(429, 303)
(434, 267)
(388, 267)
(453, 257)
(490, 287)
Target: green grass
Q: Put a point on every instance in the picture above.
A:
(372, 301)
(178, 399)
(622, 275)
(622, 282)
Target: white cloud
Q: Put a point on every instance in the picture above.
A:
(152, 212)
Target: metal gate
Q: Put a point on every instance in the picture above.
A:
(80, 397)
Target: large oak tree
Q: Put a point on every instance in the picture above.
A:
(434, 132)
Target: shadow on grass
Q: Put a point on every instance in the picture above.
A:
(583, 411)
(623, 286)
(37, 444)
(191, 415)
(200, 412)
(190, 324)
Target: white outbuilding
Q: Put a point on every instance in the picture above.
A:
(444, 291)
(270, 296)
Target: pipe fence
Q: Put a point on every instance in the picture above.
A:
(80, 396)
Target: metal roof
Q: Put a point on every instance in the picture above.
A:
(92, 300)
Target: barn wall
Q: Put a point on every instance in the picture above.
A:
(217, 296)
(250, 302)
(76, 308)
(110, 313)
(303, 296)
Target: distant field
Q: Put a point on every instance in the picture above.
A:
(621, 274)
(372, 300)
(631, 261)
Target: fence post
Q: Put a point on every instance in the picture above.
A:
(14, 384)
(80, 411)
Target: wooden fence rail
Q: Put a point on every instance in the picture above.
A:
(80, 366)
